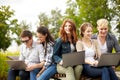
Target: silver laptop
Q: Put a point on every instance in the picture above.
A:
(17, 64)
(109, 59)
(74, 58)
(13, 57)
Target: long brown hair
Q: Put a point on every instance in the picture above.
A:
(49, 39)
(63, 34)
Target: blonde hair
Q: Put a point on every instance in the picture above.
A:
(102, 23)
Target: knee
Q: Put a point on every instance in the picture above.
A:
(23, 74)
(79, 67)
(105, 70)
(69, 69)
(10, 71)
(32, 72)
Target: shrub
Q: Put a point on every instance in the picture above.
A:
(3, 65)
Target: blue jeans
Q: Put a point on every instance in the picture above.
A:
(24, 75)
(107, 73)
(33, 74)
(48, 73)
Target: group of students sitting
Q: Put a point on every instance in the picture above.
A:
(44, 57)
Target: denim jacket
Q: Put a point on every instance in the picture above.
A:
(60, 48)
(111, 42)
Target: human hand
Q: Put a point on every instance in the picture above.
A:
(113, 68)
(38, 75)
(30, 68)
(61, 62)
(41, 71)
(95, 63)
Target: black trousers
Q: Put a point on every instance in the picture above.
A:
(24, 75)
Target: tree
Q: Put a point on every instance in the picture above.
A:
(7, 24)
(53, 22)
(43, 19)
(9, 27)
(116, 14)
(18, 29)
(90, 11)
(56, 19)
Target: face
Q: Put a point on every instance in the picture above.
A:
(67, 27)
(25, 40)
(88, 32)
(41, 37)
(102, 31)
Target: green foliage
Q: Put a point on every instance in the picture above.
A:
(118, 68)
(18, 29)
(53, 22)
(7, 26)
(43, 19)
(3, 65)
(5, 14)
(90, 11)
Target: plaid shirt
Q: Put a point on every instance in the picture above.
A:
(48, 57)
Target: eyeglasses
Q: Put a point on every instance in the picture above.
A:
(25, 41)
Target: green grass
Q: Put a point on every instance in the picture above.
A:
(118, 68)
(3, 65)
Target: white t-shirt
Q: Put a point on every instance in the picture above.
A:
(103, 47)
(89, 53)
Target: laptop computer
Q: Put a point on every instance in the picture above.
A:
(17, 64)
(74, 58)
(13, 57)
(108, 59)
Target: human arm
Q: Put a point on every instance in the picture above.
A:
(97, 49)
(57, 51)
(49, 54)
(34, 66)
(92, 63)
(22, 54)
(36, 57)
(79, 46)
(97, 54)
(116, 44)
(41, 71)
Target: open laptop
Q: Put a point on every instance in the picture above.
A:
(108, 60)
(17, 64)
(74, 58)
(13, 57)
